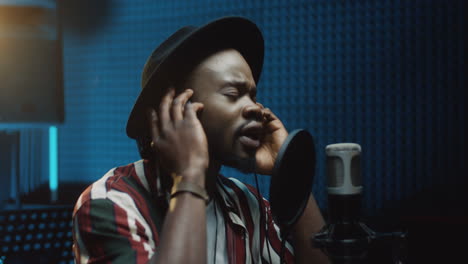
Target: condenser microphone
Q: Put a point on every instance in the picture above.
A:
(344, 182)
(345, 239)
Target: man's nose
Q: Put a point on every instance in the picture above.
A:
(252, 111)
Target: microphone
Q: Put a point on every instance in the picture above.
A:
(345, 239)
(344, 182)
(348, 237)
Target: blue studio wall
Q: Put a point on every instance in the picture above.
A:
(384, 74)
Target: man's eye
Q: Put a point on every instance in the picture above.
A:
(231, 93)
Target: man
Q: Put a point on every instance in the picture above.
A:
(197, 111)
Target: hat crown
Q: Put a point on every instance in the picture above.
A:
(182, 50)
(163, 50)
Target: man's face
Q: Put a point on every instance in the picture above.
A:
(231, 118)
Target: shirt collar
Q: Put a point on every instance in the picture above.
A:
(229, 203)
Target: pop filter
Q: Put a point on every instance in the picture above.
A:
(292, 179)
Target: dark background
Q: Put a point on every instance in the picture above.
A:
(388, 75)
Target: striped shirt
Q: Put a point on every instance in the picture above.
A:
(118, 219)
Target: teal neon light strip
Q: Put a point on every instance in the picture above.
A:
(53, 158)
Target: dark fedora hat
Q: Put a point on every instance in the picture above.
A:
(174, 58)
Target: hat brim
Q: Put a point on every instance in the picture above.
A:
(233, 32)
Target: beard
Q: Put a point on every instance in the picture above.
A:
(232, 159)
(244, 165)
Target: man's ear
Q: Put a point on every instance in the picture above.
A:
(144, 147)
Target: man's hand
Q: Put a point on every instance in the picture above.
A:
(179, 138)
(275, 134)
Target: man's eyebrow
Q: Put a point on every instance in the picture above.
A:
(240, 84)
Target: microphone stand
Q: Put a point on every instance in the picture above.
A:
(348, 240)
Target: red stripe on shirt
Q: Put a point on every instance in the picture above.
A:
(121, 220)
(248, 219)
(141, 204)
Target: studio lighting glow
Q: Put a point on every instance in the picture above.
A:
(53, 159)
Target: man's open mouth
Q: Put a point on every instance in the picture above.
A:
(251, 135)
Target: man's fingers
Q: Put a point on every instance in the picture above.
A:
(164, 109)
(192, 109)
(268, 115)
(197, 107)
(178, 104)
